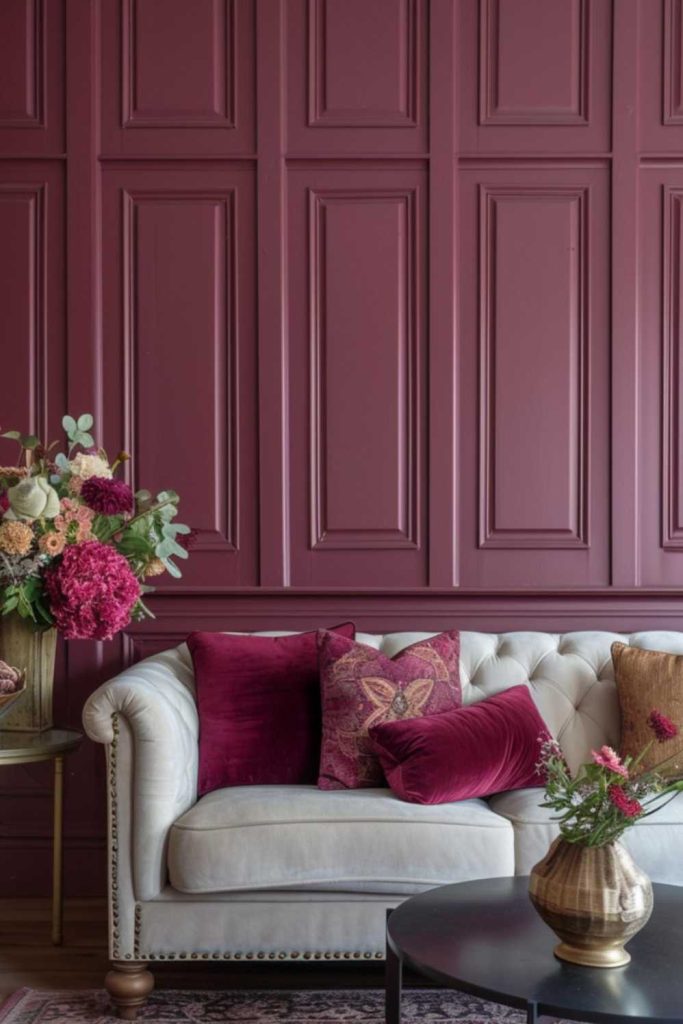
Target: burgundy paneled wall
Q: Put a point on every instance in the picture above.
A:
(389, 290)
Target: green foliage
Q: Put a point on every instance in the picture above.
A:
(27, 599)
(28, 441)
(586, 811)
(78, 430)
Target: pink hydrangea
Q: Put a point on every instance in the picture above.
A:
(91, 591)
(608, 758)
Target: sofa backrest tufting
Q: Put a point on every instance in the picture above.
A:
(570, 676)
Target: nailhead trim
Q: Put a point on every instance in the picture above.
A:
(114, 833)
(260, 955)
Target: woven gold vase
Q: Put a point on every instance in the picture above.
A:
(594, 898)
(34, 654)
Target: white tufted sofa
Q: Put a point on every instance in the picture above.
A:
(288, 872)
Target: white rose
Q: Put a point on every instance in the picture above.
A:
(84, 466)
(32, 498)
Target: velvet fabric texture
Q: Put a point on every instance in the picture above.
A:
(649, 681)
(486, 748)
(361, 687)
(258, 699)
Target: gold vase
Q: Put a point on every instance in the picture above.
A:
(34, 654)
(594, 898)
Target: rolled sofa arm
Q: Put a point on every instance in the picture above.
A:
(147, 717)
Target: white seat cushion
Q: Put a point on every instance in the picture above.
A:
(654, 844)
(365, 840)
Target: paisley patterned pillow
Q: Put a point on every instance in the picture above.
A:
(362, 687)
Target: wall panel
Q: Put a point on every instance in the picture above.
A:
(177, 77)
(534, 337)
(357, 76)
(357, 438)
(661, 93)
(534, 75)
(32, 77)
(661, 376)
(180, 273)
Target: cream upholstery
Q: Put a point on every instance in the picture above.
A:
(654, 843)
(302, 873)
(363, 840)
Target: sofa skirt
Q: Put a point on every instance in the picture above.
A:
(251, 926)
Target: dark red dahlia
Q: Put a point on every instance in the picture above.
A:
(109, 497)
(663, 728)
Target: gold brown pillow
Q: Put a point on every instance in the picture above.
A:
(648, 681)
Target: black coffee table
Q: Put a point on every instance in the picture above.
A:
(485, 938)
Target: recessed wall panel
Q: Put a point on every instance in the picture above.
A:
(31, 300)
(660, 455)
(31, 77)
(358, 249)
(357, 76)
(177, 77)
(184, 336)
(534, 376)
(534, 75)
(534, 335)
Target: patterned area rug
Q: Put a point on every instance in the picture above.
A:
(30, 1006)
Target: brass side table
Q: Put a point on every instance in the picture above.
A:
(49, 745)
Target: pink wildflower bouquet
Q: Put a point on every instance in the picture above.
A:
(76, 544)
(609, 794)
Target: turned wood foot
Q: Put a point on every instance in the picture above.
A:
(128, 983)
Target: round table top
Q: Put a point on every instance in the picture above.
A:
(485, 938)
(26, 747)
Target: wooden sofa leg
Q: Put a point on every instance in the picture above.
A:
(128, 983)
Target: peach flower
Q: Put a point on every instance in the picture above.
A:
(16, 537)
(52, 543)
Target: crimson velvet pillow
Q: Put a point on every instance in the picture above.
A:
(475, 751)
(259, 708)
(361, 686)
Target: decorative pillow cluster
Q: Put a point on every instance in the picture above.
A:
(259, 708)
(486, 748)
(264, 702)
(361, 687)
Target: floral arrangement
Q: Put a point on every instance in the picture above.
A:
(76, 544)
(609, 794)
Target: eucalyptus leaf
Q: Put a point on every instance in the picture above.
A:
(179, 528)
(69, 424)
(177, 551)
(163, 496)
(85, 421)
(171, 568)
(61, 461)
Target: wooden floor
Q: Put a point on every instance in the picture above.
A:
(28, 958)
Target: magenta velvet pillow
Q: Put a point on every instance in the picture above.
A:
(259, 708)
(361, 686)
(475, 751)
